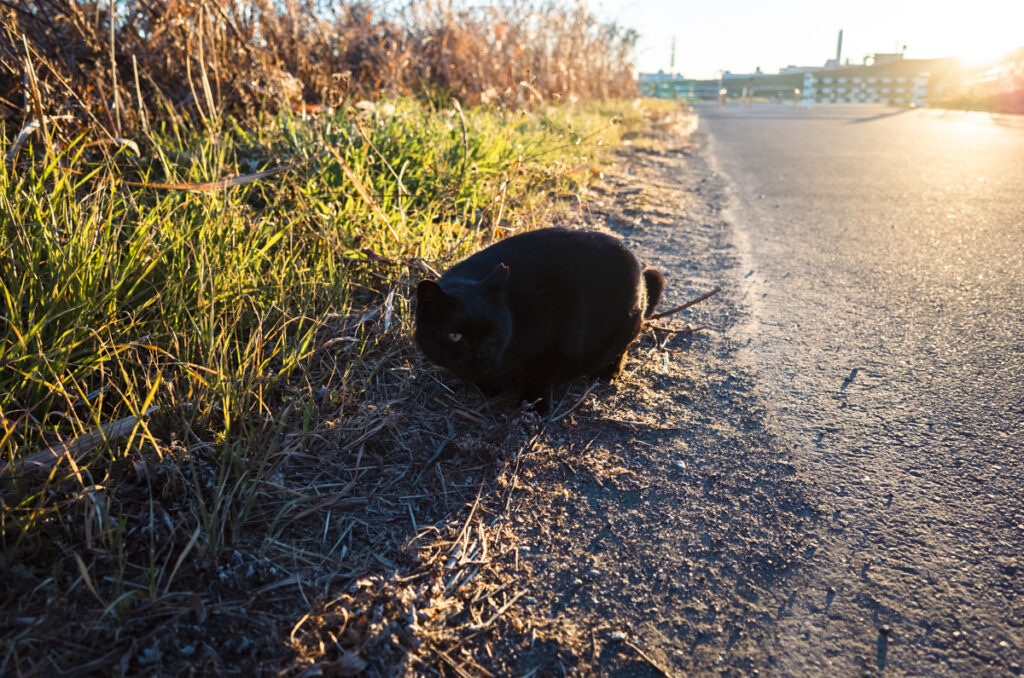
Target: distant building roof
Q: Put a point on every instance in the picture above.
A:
(790, 70)
(886, 57)
(660, 76)
(729, 75)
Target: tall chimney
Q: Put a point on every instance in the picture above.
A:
(839, 48)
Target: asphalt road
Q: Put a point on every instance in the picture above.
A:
(884, 251)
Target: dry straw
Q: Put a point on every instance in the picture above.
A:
(240, 57)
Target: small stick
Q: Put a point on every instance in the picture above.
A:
(465, 144)
(501, 611)
(37, 100)
(138, 93)
(655, 665)
(113, 69)
(685, 306)
(75, 448)
(562, 415)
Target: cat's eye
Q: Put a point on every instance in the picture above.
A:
(455, 336)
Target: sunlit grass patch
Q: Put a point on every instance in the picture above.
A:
(192, 370)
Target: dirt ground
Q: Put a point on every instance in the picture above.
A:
(650, 526)
(659, 523)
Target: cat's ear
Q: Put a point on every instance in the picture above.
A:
(496, 279)
(429, 294)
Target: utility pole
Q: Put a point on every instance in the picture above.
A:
(672, 57)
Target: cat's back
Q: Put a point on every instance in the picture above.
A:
(550, 253)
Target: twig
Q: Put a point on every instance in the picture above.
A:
(75, 448)
(113, 68)
(204, 78)
(685, 306)
(562, 415)
(219, 184)
(504, 192)
(138, 93)
(451, 662)
(401, 192)
(191, 84)
(295, 628)
(502, 610)
(233, 25)
(661, 669)
(37, 100)
(465, 146)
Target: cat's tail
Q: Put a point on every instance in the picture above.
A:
(654, 281)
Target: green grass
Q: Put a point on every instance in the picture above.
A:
(229, 330)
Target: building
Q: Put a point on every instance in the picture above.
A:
(660, 76)
(798, 70)
(880, 58)
(729, 75)
(885, 77)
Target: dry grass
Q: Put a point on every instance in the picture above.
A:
(203, 59)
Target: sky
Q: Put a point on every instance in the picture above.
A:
(740, 35)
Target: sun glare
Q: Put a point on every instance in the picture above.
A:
(982, 54)
(981, 35)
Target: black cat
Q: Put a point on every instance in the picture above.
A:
(536, 309)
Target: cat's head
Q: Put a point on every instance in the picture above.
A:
(465, 325)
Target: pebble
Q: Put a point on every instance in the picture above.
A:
(679, 463)
(1003, 644)
(885, 629)
(149, 655)
(593, 573)
(618, 636)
